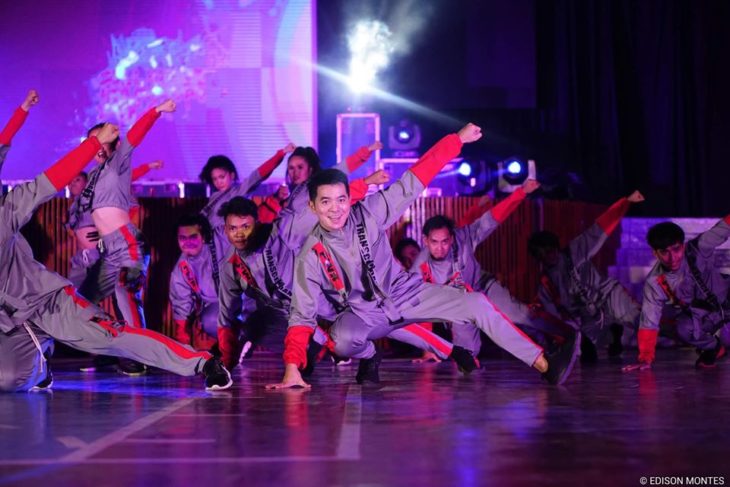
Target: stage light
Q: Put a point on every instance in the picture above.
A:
(465, 169)
(514, 167)
(404, 138)
(513, 172)
(370, 49)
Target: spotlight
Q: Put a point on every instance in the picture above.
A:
(465, 169)
(513, 172)
(404, 138)
(370, 48)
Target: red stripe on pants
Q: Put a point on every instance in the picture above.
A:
(131, 242)
(429, 338)
(174, 346)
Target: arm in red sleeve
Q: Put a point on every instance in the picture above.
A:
(143, 125)
(354, 161)
(610, 219)
(504, 208)
(474, 213)
(140, 171)
(431, 163)
(13, 125)
(727, 219)
(269, 209)
(63, 171)
(647, 345)
(268, 167)
(295, 345)
(358, 190)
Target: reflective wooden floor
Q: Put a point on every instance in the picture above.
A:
(425, 425)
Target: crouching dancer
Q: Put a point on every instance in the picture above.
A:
(38, 306)
(348, 259)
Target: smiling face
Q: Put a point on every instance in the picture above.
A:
(298, 170)
(239, 229)
(332, 206)
(222, 179)
(671, 257)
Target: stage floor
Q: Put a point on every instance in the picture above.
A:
(425, 425)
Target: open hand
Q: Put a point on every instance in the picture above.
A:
(639, 366)
(292, 378)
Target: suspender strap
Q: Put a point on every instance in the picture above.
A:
(325, 259)
(240, 267)
(214, 262)
(273, 270)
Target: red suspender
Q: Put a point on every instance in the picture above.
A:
(240, 267)
(453, 280)
(329, 268)
(662, 280)
(426, 271)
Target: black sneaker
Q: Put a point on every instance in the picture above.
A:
(588, 351)
(46, 383)
(217, 377)
(367, 371)
(313, 350)
(561, 360)
(464, 359)
(101, 362)
(616, 348)
(131, 368)
(708, 358)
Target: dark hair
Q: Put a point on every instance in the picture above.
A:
(309, 155)
(83, 174)
(113, 144)
(196, 219)
(436, 222)
(217, 162)
(542, 240)
(663, 235)
(259, 237)
(326, 176)
(403, 243)
(239, 206)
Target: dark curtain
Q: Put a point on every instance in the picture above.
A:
(637, 94)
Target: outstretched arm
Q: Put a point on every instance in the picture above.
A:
(389, 204)
(143, 169)
(14, 124)
(651, 313)
(354, 161)
(489, 221)
(261, 173)
(18, 206)
(587, 244)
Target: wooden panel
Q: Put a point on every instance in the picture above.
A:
(504, 252)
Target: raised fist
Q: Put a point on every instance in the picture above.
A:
(635, 197)
(108, 133)
(30, 100)
(289, 148)
(156, 164)
(530, 185)
(470, 133)
(167, 106)
(377, 145)
(378, 177)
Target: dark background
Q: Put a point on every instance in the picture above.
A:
(607, 96)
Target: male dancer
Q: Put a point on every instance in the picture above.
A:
(686, 278)
(572, 288)
(348, 260)
(449, 258)
(37, 305)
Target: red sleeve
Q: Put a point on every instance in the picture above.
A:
(358, 190)
(727, 219)
(504, 208)
(431, 163)
(474, 213)
(140, 171)
(268, 167)
(143, 125)
(13, 125)
(647, 345)
(269, 209)
(228, 345)
(181, 333)
(610, 219)
(295, 345)
(63, 171)
(354, 161)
